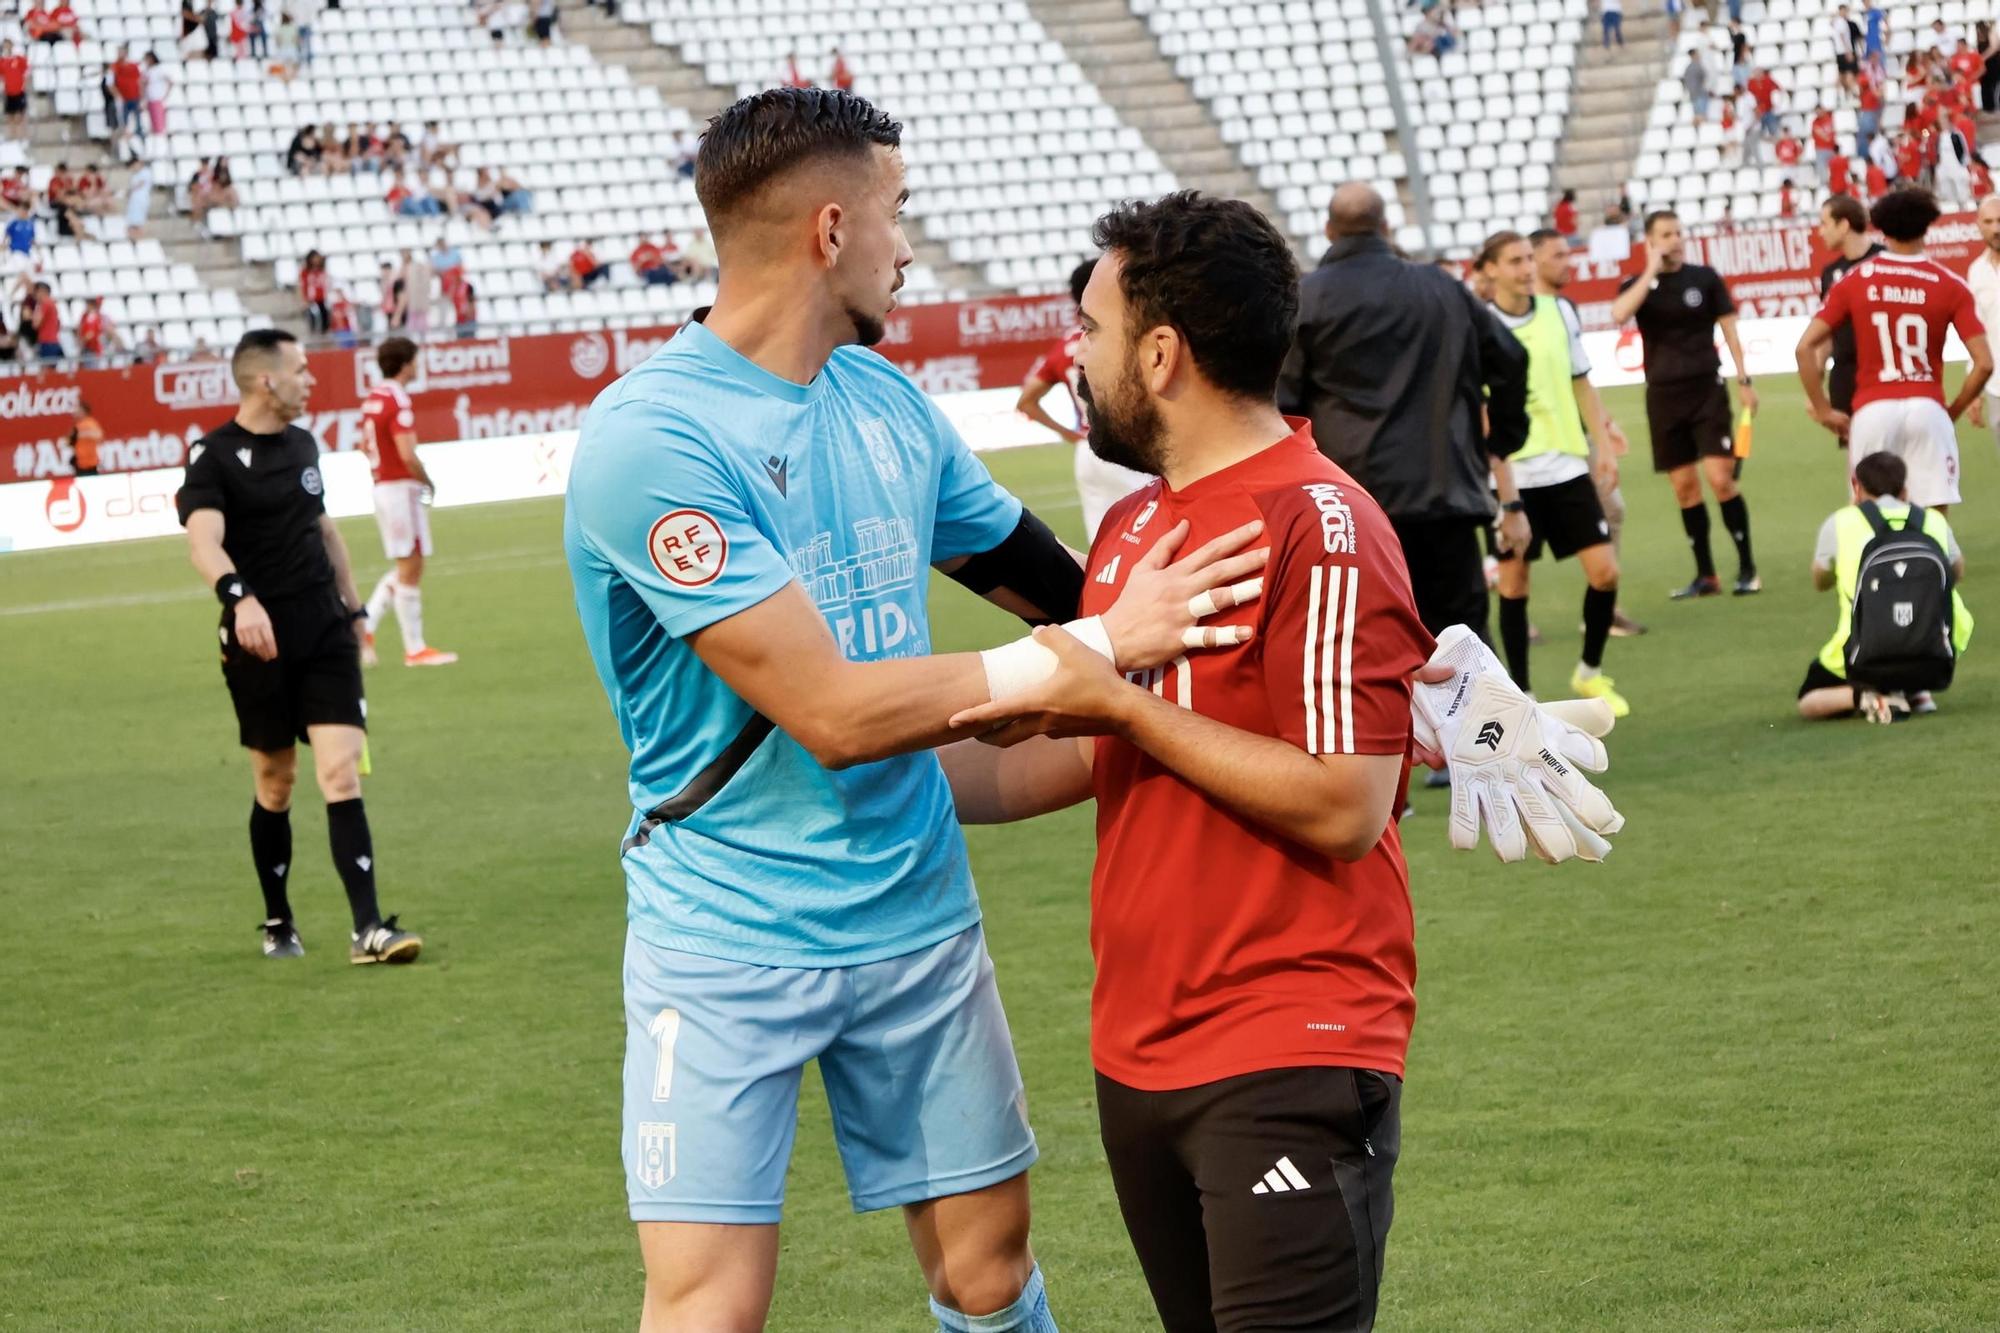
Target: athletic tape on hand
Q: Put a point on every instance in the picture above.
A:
(1204, 604)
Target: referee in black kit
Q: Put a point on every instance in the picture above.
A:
(1679, 306)
(1843, 229)
(1396, 363)
(254, 506)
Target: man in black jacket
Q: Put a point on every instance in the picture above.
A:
(1394, 363)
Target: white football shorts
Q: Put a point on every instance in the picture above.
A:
(403, 517)
(1920, 432)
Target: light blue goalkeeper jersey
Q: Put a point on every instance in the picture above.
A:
(702, 484)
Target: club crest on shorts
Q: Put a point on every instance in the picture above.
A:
(688, 548)
(655, 1166)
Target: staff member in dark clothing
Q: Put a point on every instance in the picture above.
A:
(1843, 229)
(1394, 362)
(1679, 306)
(254, 505)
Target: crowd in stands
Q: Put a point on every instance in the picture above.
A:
(1877, 127)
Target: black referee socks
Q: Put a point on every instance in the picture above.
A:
(1736, 520)
(271, 849)
(1695, 519)
(354, 858)
(1514, 637)
(1600, 606)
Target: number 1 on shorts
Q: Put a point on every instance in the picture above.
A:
(665, 1030)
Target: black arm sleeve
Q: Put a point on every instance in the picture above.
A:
(1503, 364)
(1032, 563)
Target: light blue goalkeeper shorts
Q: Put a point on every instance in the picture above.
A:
(918, 1064)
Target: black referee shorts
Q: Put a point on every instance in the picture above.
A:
(1689, 419)
(314, 681)
(1258, 1202)
(1566, 518)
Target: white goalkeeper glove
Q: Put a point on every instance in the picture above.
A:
(1515, 763)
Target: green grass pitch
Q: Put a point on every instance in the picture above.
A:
(1743, 1076)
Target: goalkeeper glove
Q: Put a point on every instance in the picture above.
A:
(1515, 765)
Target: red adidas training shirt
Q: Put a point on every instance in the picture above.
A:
(1222, 948)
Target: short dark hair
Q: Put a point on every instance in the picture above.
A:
(1905, 214)
(766, 134)
(1846, 208)
(394, 354)
(254, 346)
(1881, 474)
(1216, 271)
(1542, 234)
(1495, 243)
(1079, 278)
(1660, 215)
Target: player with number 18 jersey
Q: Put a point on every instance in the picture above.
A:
(1901, 307)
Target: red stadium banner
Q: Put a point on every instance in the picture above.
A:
(482, 388)
(1772, 269)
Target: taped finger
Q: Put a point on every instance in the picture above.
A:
(1215, 636)
(1206, 604)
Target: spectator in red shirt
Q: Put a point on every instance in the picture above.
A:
(96, 336)
(1789, 151)
(1565, 215)
(43, 313)
(1965, 64)
(38, 25)
(14, 84)
(1909, 158)
(1836, 175)
(1823, 139)
(130, 82)
(63, 23)
(1788, 206)
(15, 190)
(585, 266)
(1868, 120)
(1764, 90)
(649, 261)
(340, 318)
(793, 78)
(1878, 182)
(465, 308)
(313, 283)
(842, 77)
(1982, 179)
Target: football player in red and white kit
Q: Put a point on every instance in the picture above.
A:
(1900, 304)
(1250, 913)
(388, 433)
(1099, 484)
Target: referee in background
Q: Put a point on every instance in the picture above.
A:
(1393, 362)
(1679, 306)
(254, 506)
(1843, 229)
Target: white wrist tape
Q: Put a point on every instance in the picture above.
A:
(1023, 664)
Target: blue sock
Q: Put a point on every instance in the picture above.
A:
(1028, 1314)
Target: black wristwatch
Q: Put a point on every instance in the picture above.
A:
(1513, 507)
(358, 613)
(1743, 380)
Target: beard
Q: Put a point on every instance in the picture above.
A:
(868, 329)
(1125, 428)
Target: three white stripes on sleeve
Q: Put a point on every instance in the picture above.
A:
(1329, 696)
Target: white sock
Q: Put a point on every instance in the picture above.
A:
(378, 601)
(1585, 671)
(410, 615)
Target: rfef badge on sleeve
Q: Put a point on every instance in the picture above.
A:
(687, 546)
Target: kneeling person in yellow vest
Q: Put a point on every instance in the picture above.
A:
(1879, 484)
(1560, 471)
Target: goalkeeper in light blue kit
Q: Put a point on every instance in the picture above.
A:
(751, 521)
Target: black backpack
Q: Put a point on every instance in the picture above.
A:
(1900, 635)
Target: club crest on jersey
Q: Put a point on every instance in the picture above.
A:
(1145, 516)
(310, 480)
(1336, 520)
(688, 548)
(1692, 296)
(655, 1164)
(881, 449)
